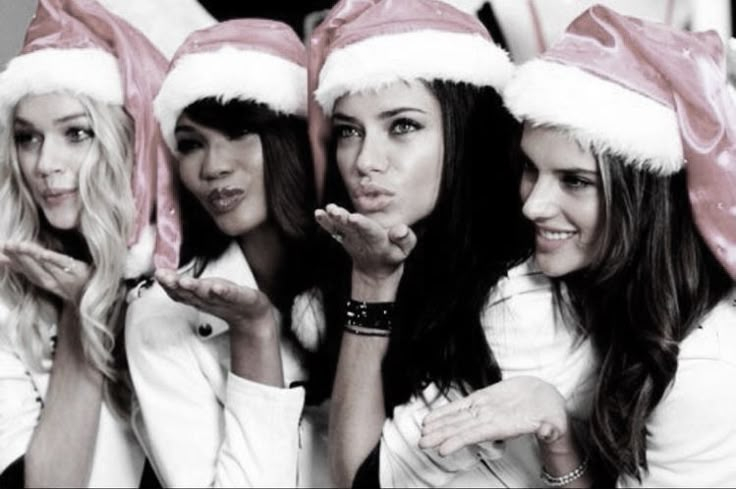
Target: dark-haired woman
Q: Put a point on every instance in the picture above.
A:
(433, 296)
(218, 370)
(629, 182)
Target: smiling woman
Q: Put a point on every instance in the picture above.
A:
(628, 180)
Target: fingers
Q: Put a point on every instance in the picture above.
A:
(451, 408)
(211, 294)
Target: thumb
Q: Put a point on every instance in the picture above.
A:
(403, 237)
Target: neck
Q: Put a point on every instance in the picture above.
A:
(264, 250)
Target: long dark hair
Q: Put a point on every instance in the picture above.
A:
(472, 237)
(651, 280)
(288, 180)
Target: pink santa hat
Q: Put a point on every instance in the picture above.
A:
(79, 47)
(654, 95)
(368, 44)
(244, 59)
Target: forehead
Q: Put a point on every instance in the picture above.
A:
(402, 94)
(555, 149)
(48, 107)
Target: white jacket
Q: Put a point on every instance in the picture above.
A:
(526, 339)
(203, 426)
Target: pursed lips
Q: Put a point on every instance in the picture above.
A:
(225, 199)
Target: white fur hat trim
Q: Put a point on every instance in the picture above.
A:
(600, 113)
(228, 74)
(426, 54)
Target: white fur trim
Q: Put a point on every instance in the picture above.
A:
(139, 260)
(228, 74)
(599, 112)
(427, 54)
(308, 320)
(86, 71)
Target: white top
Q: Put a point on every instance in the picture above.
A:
(692, 441)
(526, 339)
(118, 460)
(200, 424)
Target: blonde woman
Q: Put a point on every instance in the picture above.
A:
(67, 157)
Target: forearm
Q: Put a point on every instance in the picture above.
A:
(357, 411)
(256, 353)
(62, 447)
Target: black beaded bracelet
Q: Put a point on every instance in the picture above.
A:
(369, 315)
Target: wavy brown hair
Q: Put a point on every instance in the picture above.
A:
(651, 281)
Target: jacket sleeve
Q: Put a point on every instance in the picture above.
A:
(195, 439)
(20, 407)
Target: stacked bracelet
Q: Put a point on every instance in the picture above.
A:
(565, 479)
(369, 318)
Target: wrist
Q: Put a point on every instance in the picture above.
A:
(375, 287)
(262, 329)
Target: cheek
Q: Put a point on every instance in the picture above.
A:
(188, 171)
(345, 156)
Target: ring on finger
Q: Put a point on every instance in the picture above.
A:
(338, 237)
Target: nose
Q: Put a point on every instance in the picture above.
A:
(541, 201)
(217, 161)
(372, 157)
(49, 159)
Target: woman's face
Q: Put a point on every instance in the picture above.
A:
(390, 150)
(53, 138)
(224, 173)
(561, 192)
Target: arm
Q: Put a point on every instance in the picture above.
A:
(357, 412)
(62, 447)
(245, 434)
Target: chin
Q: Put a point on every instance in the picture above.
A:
(556, 267)
(63, 223)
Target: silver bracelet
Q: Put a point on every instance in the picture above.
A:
(363, 331)
(565, 479)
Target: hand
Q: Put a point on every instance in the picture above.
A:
(54, 272)
(376, 252)
(501, 411)
(243, 308)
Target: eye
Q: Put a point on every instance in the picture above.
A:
(187, 145)
(26, 139)
(78, 134)
(345, 131)
(404, 125)
(575, 181)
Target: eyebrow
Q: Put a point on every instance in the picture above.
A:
(60, 120)
(560, 170)
(386, 114)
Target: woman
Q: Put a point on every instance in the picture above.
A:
(75, 162)
(635, 221)
(418, 165)
(231, 350)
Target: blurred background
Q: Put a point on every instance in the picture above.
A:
(524, 27)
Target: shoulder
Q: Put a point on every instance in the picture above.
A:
(715, 337)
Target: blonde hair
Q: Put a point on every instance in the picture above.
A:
(106, 220)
